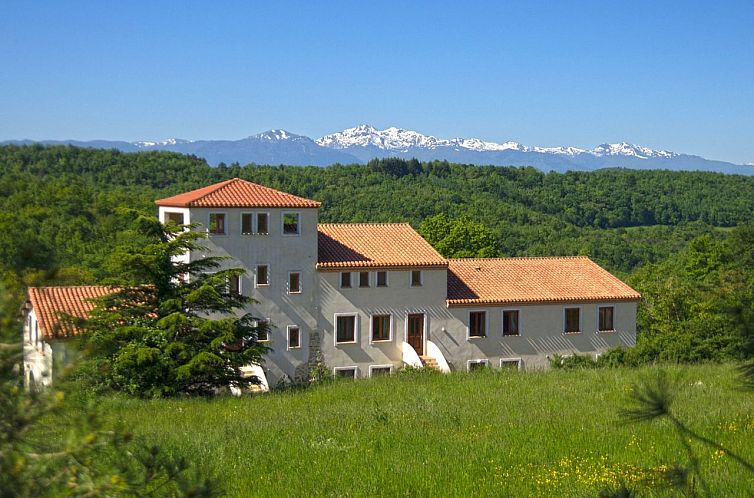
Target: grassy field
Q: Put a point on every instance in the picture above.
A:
(487, 434)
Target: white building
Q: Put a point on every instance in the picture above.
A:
(367, 299)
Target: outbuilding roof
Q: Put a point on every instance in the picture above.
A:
(533, 280)
(374, 245)
(237, 193)
(50, 304)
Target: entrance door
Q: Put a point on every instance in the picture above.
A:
(415, 333)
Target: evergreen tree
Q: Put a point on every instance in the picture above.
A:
(170, 327)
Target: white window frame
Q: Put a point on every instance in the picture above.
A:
(240, 220)
(269, 329)
(282, 224)
(288, 337)
(355, 369)
(502, 322)
(240, 284)
(166, 216)
(372, 368)
(581, 320)
(470, 337)
(255, 223)
(356, 326)
(300, 283)
(390, 328)
(411, 279)
(256, 275)
(225, 224)
(350, 280)
(519, 361)
(611, 331)
(477, 361)
(377, 280)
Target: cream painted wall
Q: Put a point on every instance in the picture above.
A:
(282, 254)
(37, 354)
(541, 334)
(398, 300)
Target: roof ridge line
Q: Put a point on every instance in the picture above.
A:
(520, 257)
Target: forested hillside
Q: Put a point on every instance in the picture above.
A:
(59, 218)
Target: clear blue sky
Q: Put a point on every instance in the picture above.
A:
(674, 75)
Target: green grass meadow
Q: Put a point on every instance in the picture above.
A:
(488, 433)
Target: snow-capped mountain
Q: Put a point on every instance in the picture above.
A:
(363, 143)
(163, 143)
(398, 139)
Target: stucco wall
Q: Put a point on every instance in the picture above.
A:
(283, 254)
(38, 354)
(541, 334)
(398, 299)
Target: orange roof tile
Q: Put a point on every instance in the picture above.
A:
(50, 303)
(533, 280)
(374, 245)
(237, 193)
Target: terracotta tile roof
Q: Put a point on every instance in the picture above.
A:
(374, 245)
(237, 193)
(533, 280)
(50, 303)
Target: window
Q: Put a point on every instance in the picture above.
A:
(510, 363)
(345, 329)
(378, 370)
(344, 372)
(416, 278)
(290, 224)
(176, 218)
(263, 330)
(606, 314)
(380, 327)
(345, 280)
(217, 223)
(572, 318)
(263, 275)
(381, 279)
(234, 285)
(294, 283)
(363, 279)
(246, 224)
(510, 322)
(474, 365)
(263, 223)
(294, 337)
(477, 323)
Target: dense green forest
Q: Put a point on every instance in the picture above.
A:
(670, 234)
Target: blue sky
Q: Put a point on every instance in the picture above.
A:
(674, 75)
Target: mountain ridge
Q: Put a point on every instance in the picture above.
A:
(362, 143)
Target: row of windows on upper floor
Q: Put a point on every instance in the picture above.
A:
(252, 223)
(365, 279)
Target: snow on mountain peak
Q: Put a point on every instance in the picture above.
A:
(627, 149)
(275, 135)
(366, 135)
(163, 143)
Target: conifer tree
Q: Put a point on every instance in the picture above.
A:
(170, 326)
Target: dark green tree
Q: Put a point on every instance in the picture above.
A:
(52, 444)
(170, 327)
(459, 238)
